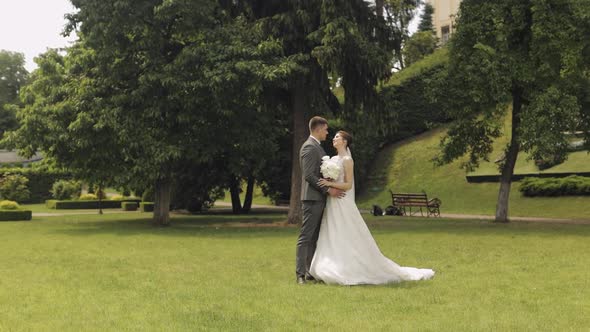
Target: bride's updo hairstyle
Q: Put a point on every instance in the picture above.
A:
(347, 137)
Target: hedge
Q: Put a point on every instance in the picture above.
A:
(15, 215)
(129, 206)
(40, 181)
(146, 207)
(409, 104)
(85, 204)
(518, 177)
(568, 186)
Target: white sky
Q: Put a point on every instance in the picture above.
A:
(32, 26)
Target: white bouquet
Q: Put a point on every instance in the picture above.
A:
(329, 168)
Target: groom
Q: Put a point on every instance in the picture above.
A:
(313, 197)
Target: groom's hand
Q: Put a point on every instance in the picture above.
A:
(336, 192)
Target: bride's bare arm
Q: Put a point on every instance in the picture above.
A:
(348, 177)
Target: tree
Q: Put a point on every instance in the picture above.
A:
(320, 39)
(176, 76)
(418, 46)
(61, 116)
(398, 14)
(426, 22)
(533, 55)
(13, 77)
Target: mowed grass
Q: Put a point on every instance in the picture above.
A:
(223, 272)
(407, 167)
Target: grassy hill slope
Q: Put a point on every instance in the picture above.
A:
(407, 167)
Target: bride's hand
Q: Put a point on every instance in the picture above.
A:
(324, 183)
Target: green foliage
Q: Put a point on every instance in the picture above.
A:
(419, 45)
(426, 19)
(62, 117)
(129, 206)
(15, 215)
(14, 187)
(122, 197)
(568, 186)
(534, 60)
(196, 188)
(13, 76)
(41, 180)
(66, 189)
(146, 207)
(8, 205)
(526, 53)
(440, 57)
(406, 166)
(148, 195)
(88, 197)
(117, 197)
(407, 107)
(397, 15)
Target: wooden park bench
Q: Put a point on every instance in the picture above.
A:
(406, 201)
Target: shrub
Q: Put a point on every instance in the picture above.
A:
(9, 205)
(15, 215)
(571, 185)
(88, 197)
(66, 189)
(41, 179)
(148, 195)
(123, 198)
(146, 207)
(14, 187)
(411, 102)
(129, 206)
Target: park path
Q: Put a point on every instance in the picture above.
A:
(227, 206)
(77, 213)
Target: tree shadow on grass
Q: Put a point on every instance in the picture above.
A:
(274, 225)
(227, 226)
(223, 224)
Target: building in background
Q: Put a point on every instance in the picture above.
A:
(12, 159)
(445, 12)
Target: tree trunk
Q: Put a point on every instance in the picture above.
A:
(234, 190)
(299, 135)
(162, 202)
(379, 7)
(400, 56)
(511, 156)
(249, 195)
(100, 193)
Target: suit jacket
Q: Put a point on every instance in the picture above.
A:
(310, 158)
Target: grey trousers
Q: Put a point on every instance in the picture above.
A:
(308, 237)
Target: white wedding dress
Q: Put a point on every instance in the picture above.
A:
(346, 252)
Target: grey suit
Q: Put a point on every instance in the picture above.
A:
(313, 198)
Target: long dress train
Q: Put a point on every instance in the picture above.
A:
(346, 252)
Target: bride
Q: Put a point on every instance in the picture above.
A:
(346, 252)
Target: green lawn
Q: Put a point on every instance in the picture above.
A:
(116, 272)
(407, 167)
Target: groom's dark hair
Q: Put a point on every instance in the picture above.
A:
(315, 122)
